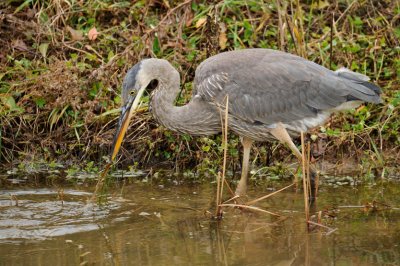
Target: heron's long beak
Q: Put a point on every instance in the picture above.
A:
(127, 112)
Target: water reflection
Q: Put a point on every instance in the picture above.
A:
(44, 213)
(152, 225)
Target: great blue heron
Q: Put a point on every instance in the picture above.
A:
(272, 95)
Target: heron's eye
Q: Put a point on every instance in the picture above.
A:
(132, 93)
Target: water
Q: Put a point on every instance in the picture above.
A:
(144, 224)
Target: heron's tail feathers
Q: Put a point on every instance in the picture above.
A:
(362, 89)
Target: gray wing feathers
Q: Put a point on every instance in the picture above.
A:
(360, 84)
(348, 74)
(268, 86)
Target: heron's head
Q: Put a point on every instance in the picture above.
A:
(139, 78)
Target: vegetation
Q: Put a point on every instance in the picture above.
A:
(62, 65)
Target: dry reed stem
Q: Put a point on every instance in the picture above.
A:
(319, 217)
(231, 199)
(221, 179)
(305, 185)
(263, 226)
(330, 229)
(225, 144)
(281, 26)
(308, 168)
(296, 178)
(217, 210)
(249, 208)
(316, 184)
(269, 195)
(307, 251)
(221, 248)
(230, 189)
(290, 27)
(331, 41)
(301, 39)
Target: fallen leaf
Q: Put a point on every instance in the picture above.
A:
(43, 49)
(201, 22)
(76, 35)
(93, 33)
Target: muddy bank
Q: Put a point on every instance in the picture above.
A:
(60, 82)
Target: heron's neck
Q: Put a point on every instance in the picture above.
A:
(194, 118)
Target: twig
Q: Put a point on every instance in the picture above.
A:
(229, 188)
(83, 51)
(249, 207)
(231, 199)
(269, 195)
(331, 230)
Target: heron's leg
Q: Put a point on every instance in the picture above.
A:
(283, 136)
(242, 186)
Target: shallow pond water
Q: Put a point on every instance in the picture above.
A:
(144, 224)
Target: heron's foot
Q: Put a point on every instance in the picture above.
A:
(241, 190)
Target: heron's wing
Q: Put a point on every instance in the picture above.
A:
(270, 88)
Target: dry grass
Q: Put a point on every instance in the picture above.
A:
(67, 86)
